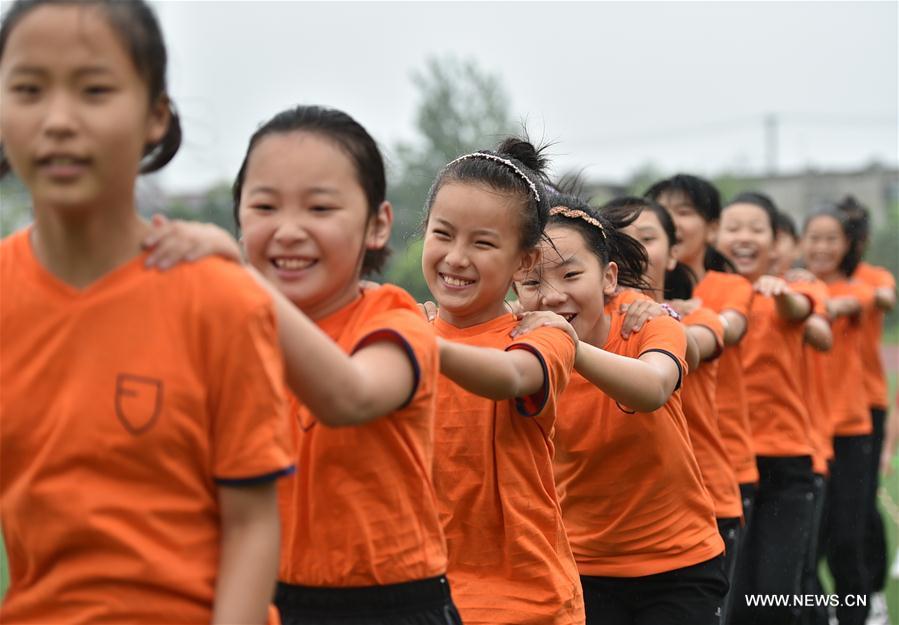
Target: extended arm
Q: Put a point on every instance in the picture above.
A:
(491, 373)
(643, 384)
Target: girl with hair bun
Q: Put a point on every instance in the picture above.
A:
(509, 557)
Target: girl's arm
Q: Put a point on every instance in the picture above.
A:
(734, 326)
(890, 441)
(692, 357)
(491, 373)
(818, 333)
(338, 389)
(791, 305)
(248, 564)
(885, 298)
(643, 384)
(705, 341)
(843, 306)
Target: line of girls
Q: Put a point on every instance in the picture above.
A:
(187, 419)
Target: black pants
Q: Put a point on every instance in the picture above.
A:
(811, 585)
(848, 493)
(747, 494)
(875, 539)
(688, 596)
(422, 602)
(730, 531)
(777, 540)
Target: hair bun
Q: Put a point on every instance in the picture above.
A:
(525, 153)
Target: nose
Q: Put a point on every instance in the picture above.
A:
(551, 297)
(290, 231)
(60, 121)
(456, 257)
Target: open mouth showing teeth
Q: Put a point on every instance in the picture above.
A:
(569, 317)
(453, 281)
(293, 264)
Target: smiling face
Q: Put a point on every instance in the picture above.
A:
(76, 115)
(648, 230)
(472, 250)
(746, 239)
(824, 245)
(570, 281)
(786, 251)
(694, 233)
(305, 220)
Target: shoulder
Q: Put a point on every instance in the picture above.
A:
(13, 246)
(219, 288)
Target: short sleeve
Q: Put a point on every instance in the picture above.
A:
(707, 318)
(409, 330)
(865, 294)
(812, 292)
(667, 336)
(738, 295)
(555, 350)
(250, 433)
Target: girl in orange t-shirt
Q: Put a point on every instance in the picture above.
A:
(829, 253)
(143, 423)
(509, 557)
(777, 539)
(362, 539)
(695, 206)
(640, 520)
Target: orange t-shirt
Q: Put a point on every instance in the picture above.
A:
(813, 383)
(771, 355)
(721, 292)
(849, 408)
(701, 413)
(361, 510)
(125, 406)
(872, 331)
(632, 493)
(509, 558)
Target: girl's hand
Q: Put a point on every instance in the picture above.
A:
(684, 307)
(799, 274)
(172, 242)
(638, 313)
(515, 307)
(771, 286)
(429, 310)
(529, 321)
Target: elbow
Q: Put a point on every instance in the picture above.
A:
(652, 400)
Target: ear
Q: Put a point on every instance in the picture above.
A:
(528, 262)
(158, 119)
(610, 279)
(711, 232)
(379, 225)
(671, 263)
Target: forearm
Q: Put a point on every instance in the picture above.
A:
(706, 344)
(734, 327)
(629, 381)
(885, 298)
(693, 356)
(793, 306)
(248, 567)
(490, 373)
(818, 333)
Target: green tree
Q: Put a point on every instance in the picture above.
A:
(462, 108)
(15, 205)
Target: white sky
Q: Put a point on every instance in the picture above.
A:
(684, 85)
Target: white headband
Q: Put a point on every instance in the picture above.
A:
(504, 161)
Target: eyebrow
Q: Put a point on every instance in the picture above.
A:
(34, 69)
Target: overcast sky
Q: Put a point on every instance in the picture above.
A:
(616, 85)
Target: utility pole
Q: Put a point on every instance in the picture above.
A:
(771, 143)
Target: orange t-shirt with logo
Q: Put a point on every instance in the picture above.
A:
(720, 292)
(632, 494)
(849, 408)
(509, 558)
(125, 406)
(772, 354)
(701, 413)
(361, 510)
(813, 383)
(872, 331)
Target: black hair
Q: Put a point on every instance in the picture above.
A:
(608, 243)
(348, 135)
(707, 201)
(525, 180)
(787, 225)
(761, 201)
(136, 25)
(679, 281)
(859, 222)
(851, 230)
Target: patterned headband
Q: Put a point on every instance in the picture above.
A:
(578, 214)
(504, 161)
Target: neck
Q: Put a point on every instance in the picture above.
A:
(697, 266)
(600, 332)
(831, 277)
(342, 299)
(469, 319)
(81, 247)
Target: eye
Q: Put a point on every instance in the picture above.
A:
(98, 90)
(572, 274)
(441, 234)
(485, 244)
(26, 89)
(530, 284)
(322, 208)
(262, 207)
